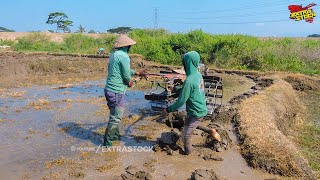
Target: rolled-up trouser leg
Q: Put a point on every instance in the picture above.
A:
(116, 107)
(189, 126)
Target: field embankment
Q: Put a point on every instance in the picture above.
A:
(267, 124)
(54, 37)
(301, 82)
(24, 69)
(38, 68)
(221, 51)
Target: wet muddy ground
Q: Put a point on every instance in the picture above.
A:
(55, 132)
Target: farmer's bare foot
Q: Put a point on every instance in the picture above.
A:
(215, 134)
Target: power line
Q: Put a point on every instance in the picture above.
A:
(236, 9)
(252, 14)
(232, 9)
(231, 23)
(233, 16)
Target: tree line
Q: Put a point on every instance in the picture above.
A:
(62, 23)
(3, 29)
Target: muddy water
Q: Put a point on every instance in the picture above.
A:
(55, 132)
(32, 134)
(234, 85)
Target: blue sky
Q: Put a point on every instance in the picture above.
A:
(216, 17)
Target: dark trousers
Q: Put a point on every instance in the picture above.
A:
(116, 107)
(190, 125)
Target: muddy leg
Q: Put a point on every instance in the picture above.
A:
(212, 132)
(189, 126)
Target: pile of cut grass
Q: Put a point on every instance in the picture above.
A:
(265, 124)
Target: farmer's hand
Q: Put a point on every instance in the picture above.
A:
(134, 81)
(165, 112)
(131, 83)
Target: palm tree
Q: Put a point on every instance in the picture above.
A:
(81, 29)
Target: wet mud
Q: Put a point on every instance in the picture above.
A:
(215, 145)
(27, 69)
(203, 174)
(133, 173)
(55, 132)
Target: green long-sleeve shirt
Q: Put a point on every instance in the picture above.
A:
(119, 72)
(192, 92)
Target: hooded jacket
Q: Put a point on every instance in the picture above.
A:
(119, 72)
(192, 92)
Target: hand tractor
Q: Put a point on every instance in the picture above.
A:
(165, 87)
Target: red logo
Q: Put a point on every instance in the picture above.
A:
(298, 13)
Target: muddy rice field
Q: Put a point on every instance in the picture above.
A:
(53, 115)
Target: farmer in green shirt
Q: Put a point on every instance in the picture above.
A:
(193, 94)
(118, 80)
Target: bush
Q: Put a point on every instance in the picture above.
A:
(6, 42)
(36, 42)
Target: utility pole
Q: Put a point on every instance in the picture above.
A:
(156, 17)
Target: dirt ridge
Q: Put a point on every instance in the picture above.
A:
(264, 136)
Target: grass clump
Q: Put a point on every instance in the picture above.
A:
(308, 138)
(6, 42)
(73, 43)
(79, 43)
(310, 141)
(41, 104)
(36, 42)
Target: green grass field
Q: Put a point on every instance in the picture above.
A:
(221, 51)
(309, 141)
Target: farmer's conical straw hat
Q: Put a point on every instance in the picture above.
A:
(123, 41)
